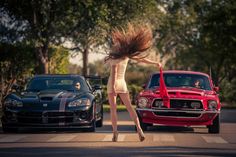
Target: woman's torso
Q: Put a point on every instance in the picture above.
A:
(120, 83)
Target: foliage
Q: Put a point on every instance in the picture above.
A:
(59, 61)
(44, 23)
(16, 63)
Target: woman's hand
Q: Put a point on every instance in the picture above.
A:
(158, 65)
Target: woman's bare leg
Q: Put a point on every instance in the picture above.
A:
(126, 100)
(112, 102)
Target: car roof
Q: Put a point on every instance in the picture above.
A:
(58, 75)
(183, 72)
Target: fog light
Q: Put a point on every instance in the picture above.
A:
(159, 104)
(83, 115)
(195, 105)
(14, 117)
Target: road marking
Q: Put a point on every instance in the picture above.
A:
(109, 138)
(164, 138)
(62, 138)
(12, 138)
(121, 137)
(213, 139)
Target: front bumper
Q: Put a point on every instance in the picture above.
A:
(175, 117)
(49, 119)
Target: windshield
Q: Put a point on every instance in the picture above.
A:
(181, 80)
(61, 83)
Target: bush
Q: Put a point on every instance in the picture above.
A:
(133, 91)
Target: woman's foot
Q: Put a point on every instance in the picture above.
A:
(141, 136)
(115, 136)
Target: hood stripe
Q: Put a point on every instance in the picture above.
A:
(62, 106)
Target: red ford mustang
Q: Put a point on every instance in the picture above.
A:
(193, 100)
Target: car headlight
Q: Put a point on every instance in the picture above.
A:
(212, 104)
(142, 102)
(12, 103)
(80, 102)
(196, 105)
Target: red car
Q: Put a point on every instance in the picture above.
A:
(193, 100)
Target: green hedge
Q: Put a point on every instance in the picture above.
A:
(133, 91)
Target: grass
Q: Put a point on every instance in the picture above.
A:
(228, 105)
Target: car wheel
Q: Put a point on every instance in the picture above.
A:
(6, 129)
(144, 126)
(99, 123)
(215, 127)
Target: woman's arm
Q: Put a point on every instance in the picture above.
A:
(147, 61)
(114, 75)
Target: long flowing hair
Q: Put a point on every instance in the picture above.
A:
(132, 42)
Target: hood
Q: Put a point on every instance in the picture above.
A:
(47, 99)
(47, 95)
(183, 91)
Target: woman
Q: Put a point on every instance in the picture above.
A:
(129, 44)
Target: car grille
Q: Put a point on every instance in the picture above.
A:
(45, 117)
(177, 114)
(183, 103)
(59, 114)
(30, 114)
(46, 98)
(180, 104)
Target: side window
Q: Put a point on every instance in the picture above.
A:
(90, 87)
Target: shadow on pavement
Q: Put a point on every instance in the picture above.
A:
(115, 151)
(107, 129)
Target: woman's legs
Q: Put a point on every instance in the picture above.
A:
(112, 102)
(126, 100)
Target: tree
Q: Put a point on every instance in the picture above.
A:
(15, 63)
(44, 23)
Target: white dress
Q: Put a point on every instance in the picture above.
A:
(120, 84)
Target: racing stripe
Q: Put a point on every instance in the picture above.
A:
(62, 106)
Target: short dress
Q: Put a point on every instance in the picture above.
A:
(120, 83)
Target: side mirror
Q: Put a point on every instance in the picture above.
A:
(97, 87)
(144, 86)
(216, 89)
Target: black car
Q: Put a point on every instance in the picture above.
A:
(53, 101)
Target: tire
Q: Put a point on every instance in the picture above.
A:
(215, 127)
(144, 126)
(99, 123)
(6, 129)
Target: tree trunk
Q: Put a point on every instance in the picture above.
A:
(43, 60)
(44, 67)
(85, 61)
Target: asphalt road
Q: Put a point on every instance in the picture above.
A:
(160, 141)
